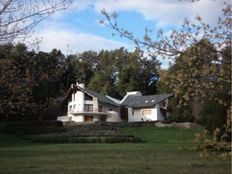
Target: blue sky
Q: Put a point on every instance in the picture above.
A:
(77, 29)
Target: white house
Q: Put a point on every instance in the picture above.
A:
(85, 105)
(137, 108)
(89, 106)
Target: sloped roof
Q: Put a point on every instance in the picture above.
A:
(145, 100)
(100, 97)
(114, 99)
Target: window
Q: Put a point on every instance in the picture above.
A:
(146, 111)
(70, 108)
(100, 108)
(132, 112)
(73, 96)
(88, 108)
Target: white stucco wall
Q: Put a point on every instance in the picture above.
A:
(95, 104)
(79, 118)
(159, 113)
(137, 116)
(79, 101)
(77, 104)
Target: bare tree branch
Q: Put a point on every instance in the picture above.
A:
(19, 17)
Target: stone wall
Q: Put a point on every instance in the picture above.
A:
(148, 124)
(179, 125)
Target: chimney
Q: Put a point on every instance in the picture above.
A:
(82, 85)
(132, 93)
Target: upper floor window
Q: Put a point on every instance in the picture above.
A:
(88, 108)
(70, 108)
(100, 108)
(73, 96)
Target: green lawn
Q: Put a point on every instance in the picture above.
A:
(166, 150)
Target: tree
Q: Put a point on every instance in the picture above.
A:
(28, 81)
(15, 81)
(45, 71)
(103, 79)
(88, 61)
(119, 71)
(69, 72)
(78, 68)
(137, 73)
(18, 18)
(197, 107)
(191, 33)
(209, 44)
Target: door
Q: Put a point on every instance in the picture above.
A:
(124, 113)
(88, 118)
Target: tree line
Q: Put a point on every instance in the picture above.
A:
(33, 84)
(201, 74)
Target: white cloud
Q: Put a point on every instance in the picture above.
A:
(75, 41)
(163, 12)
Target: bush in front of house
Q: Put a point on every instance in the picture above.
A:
(35, 127)
(90, 133)
(55, 138)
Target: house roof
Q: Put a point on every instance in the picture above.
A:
(145, 100)
(114, 99)
(134, 101)
(100, 97)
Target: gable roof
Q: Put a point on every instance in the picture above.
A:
(114, 99)
(144, 101)
(100, 97)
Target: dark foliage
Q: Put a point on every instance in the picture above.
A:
(90, 133)
(35, 127)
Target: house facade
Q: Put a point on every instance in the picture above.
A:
(145, 108)
(89, 106)
(85, 105)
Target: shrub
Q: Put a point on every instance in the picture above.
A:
(90, 133)
(36, 127)
(85, 139)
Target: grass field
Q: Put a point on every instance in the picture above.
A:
(165, 151)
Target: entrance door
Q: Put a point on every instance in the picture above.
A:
(88, 118)
(124, 113)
